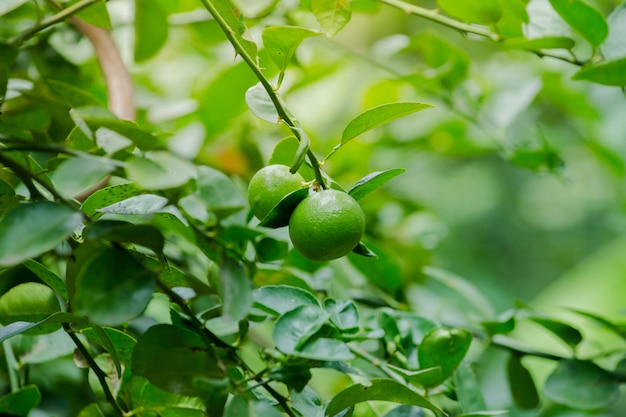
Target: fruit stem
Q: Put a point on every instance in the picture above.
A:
(285, 115)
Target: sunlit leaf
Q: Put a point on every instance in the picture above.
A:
(281, 42)
(583, 18)
(261, 104)
(236, 23)
(30, 302)
(140, 204)
(372, 181)
(343, 314)
(332, 15)
(607, 73)
(108, 196)
(581, 385)
(31, 229)
(547, 42)
(614, 46)
(379, 115)
(78, 174)
(378, 390)
(96, 14)
(476, 11)
(563, 331)
(159, 170)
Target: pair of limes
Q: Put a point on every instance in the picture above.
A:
(326, 225)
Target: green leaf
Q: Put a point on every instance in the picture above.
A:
(279, 299)
(260, 103)
(51, 279)
(236, 290)
(362, 249)
(583, 18)
(19, 327)
(307, 402)
(378, 390)
(614, 46)
(477, 11)
(546, 42)
(563, 331)
(141, 204)
(343, 314)
(606, 73)
(280, 214)
(502, 326)
(116, 342)
(444, 348)
(582, 385)
(235, 21)
(372, 181)
(521, 384)
(269, 249)
(281, 42)
(618, 329)
(30, 302)
(92, 410)
(123, 232)
(325, 349)
(31, 229)
(108, 196)
(172, 358)
(112, 288)
(159, 170)
(78, 174)
(284, 151)
(379, 115)
(20, 402)
(151, 29)
(71, 95)
(468, 389)
(332, 15)
(295, 327)
(96, 14)
(89, 119)
(219, 192)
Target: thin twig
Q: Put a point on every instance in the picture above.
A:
(11, 365)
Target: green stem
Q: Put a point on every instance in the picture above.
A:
(11, 365)
(376, 362)
(59, 17)
(282, 112)
(96, 370)
(464, 28)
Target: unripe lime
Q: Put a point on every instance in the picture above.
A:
(326, 225)
(269, 185)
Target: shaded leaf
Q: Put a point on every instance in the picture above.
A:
(343, 314)
(151, 29)
(546, 42)
(468, 390)
(582, 385)
(20, 327)
(51, 279)
(236, 290)
(378, 390)
(31, 229)
(123, 232)
(78, 174)
(297, 326)
(614, 46)
(476, 11)
(379, 115)
(279, 299)
(159, 170)
(19, 403)
(332, 15)
(362, 249)
(30, 302)
(280, 214)
(583, 18)
(606, 73)
(563, 331)
(521, 384)
(444, 348)
(270, 250)
(372, 181)
(281, 42)
(219, 192)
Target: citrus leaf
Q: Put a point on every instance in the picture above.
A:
(281, 42)
(332, 15)
(343, 314)
(379, 115)
(563, 331)
(159, 170)
(583, 18)
(444, 348)
(19, 327)
(96, 14)
(31, 302)
(20, 402)
(141, 204)
(468, 390)
(31, 229)
(151, 29)
(521, 384)
(279, 299)
(108, 196)
(219, 192)
(112, 288)
(51, 279)
(606, 73)
(260, 103)
(378, 390)
(78, 174)
(618, 329)
(581, 385)
(547, 42)
(279, 215)
(476, 11)
(297, 326)
(614, 46)
(235, 289)
(362, 249)
(372, 181)
(235, 21)
(123, 232)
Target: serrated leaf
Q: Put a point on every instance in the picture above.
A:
(581, 385)
(563, 331)
(279, 299)
(521, 383)
(372, 181)
(280, 214)
(614, 46)
(31, 229)
(281, 42)
(19, 403)
(546, 42)
(378, 390)
(606, 73)
(332, 15)
(151, 29)
(476, 11)
(583, 18)
(379, 115)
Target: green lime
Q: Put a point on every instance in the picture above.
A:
(326, 225)
(269, 185)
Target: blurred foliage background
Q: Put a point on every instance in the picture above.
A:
(515, 179)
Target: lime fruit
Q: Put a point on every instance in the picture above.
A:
(326, 225)
(269, 185)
